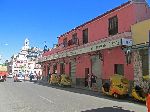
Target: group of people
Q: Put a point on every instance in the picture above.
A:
(35, 75)
(91, 80)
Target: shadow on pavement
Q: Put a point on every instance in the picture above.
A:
(91, 93)
(108, 109)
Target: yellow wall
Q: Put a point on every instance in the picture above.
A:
(3, 68)
(140, 32)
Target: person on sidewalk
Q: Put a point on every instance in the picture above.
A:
(89, 81)
(93, 81)
(4, 77)
(31, 76)
(49, 76)
(148, 101)
(39, 76)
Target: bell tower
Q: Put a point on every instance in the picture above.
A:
(26, 44)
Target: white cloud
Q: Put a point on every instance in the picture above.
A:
(6, 44)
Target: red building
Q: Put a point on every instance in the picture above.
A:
(97, 46)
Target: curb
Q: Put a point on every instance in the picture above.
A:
(76, 87)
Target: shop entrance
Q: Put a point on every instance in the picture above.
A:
(62, 68)
(72, 66)
(96, 64)
(55, 69)
(86, 76)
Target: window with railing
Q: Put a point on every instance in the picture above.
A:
(65, 43)
(74, 38)
(62, 68)
(70, 42)
(85, 36)
(55, 68)
(113, 25)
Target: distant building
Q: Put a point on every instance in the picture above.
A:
(25, 60)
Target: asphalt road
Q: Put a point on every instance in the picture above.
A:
(34, 97)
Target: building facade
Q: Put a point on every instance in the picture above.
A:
(140, 50)
(98, 46)
(25, 60)
(3, 70)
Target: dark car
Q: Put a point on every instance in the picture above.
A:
(1, 79)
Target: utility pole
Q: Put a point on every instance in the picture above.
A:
(149, 53)
(0, 59)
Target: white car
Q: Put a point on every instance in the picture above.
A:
(10, 76)
(19, 78)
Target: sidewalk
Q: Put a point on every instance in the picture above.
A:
(76, 88)
(87, 91)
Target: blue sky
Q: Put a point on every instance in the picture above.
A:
(44, 20)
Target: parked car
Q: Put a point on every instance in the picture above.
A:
(138, 93)
(19, 78)
(118, 86)
(55, 79)
(26, 78)
(65, 80)
(10, 76)
(1, 79)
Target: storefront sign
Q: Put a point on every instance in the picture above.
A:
(90, 48)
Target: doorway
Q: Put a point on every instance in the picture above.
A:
(96, 66)
(119, 69)
(86, 76)
(62, 68)
(72, 67)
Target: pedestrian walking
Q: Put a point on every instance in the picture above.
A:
(4, 77)
(38, 75)
(89, 81)
(93, 78)
(49, 76)
(148, 101)
(31, 76)
(93, 82)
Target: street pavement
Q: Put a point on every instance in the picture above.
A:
(39, 97)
